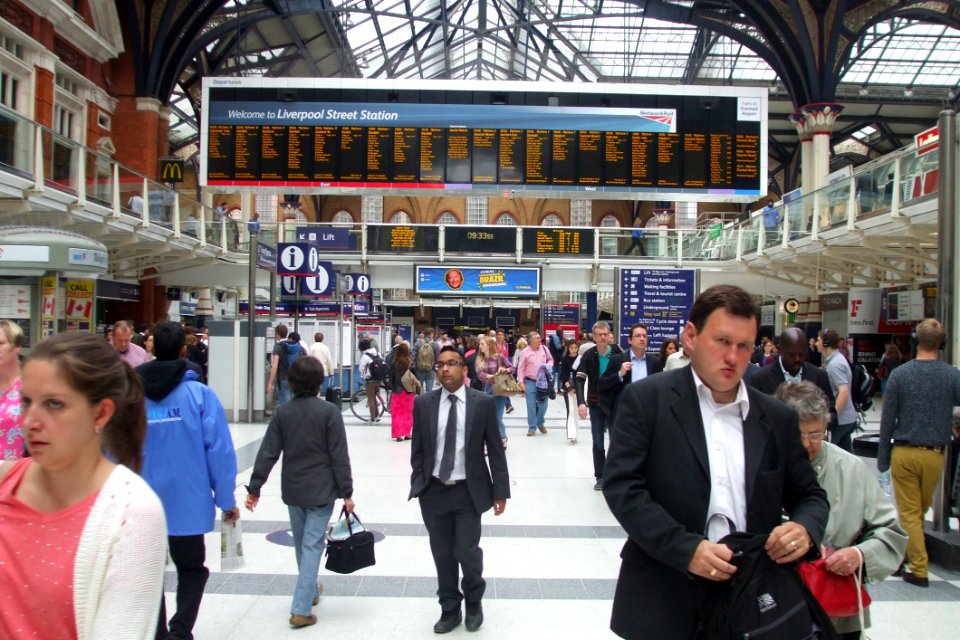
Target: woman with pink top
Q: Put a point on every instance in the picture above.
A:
(83, 539)
(528, 365)
(11, 435)
(488, 364)
(503, 348)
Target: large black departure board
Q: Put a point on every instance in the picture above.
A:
(613, 141)
(403, 238)
(558, 240)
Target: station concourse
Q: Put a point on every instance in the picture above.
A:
(157, 157)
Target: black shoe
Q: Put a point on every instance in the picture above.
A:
(899, 572)
(449, 620)
(474, 616)
(915, 581)
(598, 486)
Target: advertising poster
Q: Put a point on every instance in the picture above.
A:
(659, 298)
(48, 311)
(79, 305)
(474, 281)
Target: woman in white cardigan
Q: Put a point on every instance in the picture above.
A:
(863, 527)
(86, 533)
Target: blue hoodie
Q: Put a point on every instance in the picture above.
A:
(188, 457)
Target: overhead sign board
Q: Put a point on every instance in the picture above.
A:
(266, 256)
(171, 170)
(494, 282)
(297, 259)
(927, 141)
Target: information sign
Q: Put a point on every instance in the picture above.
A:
(660, 299)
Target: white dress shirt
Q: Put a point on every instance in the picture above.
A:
(459, 466)
(723, 430)
(638, 368)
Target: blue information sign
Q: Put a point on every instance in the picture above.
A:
(266, 256)
(659, 298)
(474, 281)
(326, 239)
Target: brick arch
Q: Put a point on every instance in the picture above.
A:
(341, 217)
(503, 215)
(556, 220)
(400, 216)
(447, 212)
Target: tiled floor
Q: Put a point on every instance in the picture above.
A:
(550, 560)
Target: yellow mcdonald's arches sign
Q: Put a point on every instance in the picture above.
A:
(171, 170)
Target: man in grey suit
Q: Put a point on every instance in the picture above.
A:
(451, 428)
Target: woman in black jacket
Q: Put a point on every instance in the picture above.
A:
(570, 349)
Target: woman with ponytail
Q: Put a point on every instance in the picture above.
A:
(77, 524)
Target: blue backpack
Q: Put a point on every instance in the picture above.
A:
(290, 352)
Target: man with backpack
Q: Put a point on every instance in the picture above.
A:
(285, 352)
(373, 370)
(841, 383)
(426, 351)
(695, 456)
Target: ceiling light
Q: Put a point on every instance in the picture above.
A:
(908, 92)
(864, 90)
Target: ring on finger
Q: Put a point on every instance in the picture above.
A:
(713, 573)
(793, 543)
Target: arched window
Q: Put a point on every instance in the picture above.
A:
(341, 217)
(447, 218)
(400, 217)
(506, 220)
(609, 245)
(552, 220)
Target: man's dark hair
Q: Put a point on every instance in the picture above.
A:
(364, 344)
(830, 338)
(293, 336)
(305, 376)
(730, 298)
(168, 340)
(452, 349)
(638, 325)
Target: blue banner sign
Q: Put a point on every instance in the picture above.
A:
(660, 299)
(266, 256)
(492, 282)
(319, 309)
(326, 238)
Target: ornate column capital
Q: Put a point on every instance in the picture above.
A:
(820, 116)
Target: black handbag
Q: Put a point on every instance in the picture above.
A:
(352, 553)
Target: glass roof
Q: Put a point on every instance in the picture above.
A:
(537, 40)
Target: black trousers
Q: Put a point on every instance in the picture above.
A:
(454, 527)
(188, 554)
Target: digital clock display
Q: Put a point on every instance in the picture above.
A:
(460, 239)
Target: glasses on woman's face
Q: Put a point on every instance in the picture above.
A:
(815, 436)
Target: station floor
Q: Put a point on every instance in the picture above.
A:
(551, 560)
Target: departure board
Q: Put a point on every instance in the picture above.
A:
(612, 141)
(572, 241)
(402, 238)
(480, 240)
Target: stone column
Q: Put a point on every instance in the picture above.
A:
(817, 123)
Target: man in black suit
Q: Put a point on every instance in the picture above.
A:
(792, 365)
(633, 365)
(693, 447)
(451, 427)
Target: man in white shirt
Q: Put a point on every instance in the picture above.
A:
(696, 454)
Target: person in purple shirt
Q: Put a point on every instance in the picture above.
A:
(129, 352)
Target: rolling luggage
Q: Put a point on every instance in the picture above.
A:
(335, 396)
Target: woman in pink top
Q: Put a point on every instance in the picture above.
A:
(11, 435)
(528, 365)
(82, 539)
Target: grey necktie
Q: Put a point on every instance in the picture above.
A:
(449, 441)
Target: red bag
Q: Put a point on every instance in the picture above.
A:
(836, 594)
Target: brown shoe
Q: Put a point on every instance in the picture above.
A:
(542, 428)
(298, 621)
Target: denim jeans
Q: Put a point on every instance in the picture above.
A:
(426, 379)
(309, 528)
(598, 424)
(536, 409)
(283, 392)
(501, 403)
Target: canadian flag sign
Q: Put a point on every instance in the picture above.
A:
(48, 294)
(79, 301)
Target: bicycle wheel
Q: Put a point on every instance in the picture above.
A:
(358, 405)
(383, 396)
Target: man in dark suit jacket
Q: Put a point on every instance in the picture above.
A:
(633, 365)
(451, 428)
(693, 445)
(793, 362)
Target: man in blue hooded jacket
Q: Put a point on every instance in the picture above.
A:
(189, 461)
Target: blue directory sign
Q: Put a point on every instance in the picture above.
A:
(325, 238)
(474, 281)
(659, 298)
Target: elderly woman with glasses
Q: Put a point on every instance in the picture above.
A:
(863, 526)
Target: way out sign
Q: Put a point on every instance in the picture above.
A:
(297, 259)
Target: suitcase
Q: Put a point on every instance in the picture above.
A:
(335, 396)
